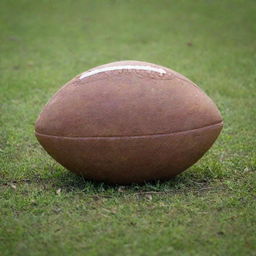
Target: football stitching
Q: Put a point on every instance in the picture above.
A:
(166, 75)
(122, 68)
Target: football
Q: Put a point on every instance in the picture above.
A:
(128, 122)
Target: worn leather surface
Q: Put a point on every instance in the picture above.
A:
(128, 126)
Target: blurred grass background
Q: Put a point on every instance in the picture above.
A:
(208, 210)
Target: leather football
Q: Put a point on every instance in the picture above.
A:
(128, 122)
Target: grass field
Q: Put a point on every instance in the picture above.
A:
(208, 210)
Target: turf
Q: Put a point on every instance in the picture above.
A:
(208, 210)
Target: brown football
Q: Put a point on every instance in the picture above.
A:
(128, 122)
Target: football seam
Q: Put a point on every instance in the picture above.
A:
(133, 136)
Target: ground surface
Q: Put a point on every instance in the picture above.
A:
(208, 210)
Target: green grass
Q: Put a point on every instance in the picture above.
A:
(208, 210)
